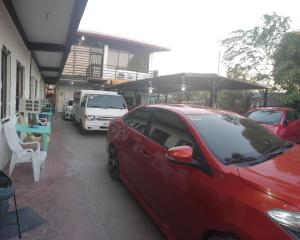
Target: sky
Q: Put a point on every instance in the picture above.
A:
(191, 28)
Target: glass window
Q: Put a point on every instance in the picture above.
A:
(70, 103)
(123, 59)
(112, 58)
(105, 101)
(19, 84)
(4, 83)
(230, 136)
(291, 115)
(83, 101)
(168, 131)
(138, 120)
(265, 116)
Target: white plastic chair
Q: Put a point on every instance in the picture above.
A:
(21, 155)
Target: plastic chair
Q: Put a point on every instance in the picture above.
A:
(21, 155)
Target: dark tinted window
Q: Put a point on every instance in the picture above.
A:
(138, 119)
(265, 116)
(169, 131)
(105, 101)
(70, 103)
(292, 116)
(230, 136)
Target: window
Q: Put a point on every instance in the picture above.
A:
(169, 131)
(266, 116)
(130, 61)
(106, 101)
(19, 84)
(230, 136)
(292, 116)
(4, 82)
(83, 101)
(36, 88)
(138, 120)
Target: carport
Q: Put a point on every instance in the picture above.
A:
(189, 82)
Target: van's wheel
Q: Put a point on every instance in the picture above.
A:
(113, 165)
(82, 131)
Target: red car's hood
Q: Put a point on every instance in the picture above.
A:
(278, 177)
(273, 128)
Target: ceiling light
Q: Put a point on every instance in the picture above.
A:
(82, 38)
(72, 83)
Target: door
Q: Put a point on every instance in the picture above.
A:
(170, 188)
(82, 107)
(96, 65)
(133, 138)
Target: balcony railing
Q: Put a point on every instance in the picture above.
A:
(104, 72)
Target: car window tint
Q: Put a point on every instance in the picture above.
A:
(230, 136)
(265, 116)
(138, 119)
(291, 115)
(169, 131)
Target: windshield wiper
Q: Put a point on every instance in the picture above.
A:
(229, 161)
(274, 151)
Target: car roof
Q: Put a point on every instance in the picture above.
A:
(189, 109)
(281, 109)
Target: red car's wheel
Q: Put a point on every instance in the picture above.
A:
(113, 163)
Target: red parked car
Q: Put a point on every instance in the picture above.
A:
(203, 173)
(284, 122)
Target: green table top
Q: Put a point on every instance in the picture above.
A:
(34, 129)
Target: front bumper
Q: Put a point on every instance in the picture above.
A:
(101, 125)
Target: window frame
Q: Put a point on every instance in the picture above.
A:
(148, 122)
(19, 88)
(5, 85)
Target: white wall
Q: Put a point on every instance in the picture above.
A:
(10, 38)
(65, 92)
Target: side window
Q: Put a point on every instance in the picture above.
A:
(83, 101)
(169, 131)
(291, 116)
(138, 120)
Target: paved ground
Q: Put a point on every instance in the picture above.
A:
(75, 194)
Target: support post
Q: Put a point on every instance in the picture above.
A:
(265, 97)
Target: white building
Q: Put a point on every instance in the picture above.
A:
(35, 36)
(97, 60)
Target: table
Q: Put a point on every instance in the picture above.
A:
(43, 130)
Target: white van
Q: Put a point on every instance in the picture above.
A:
(94, 109)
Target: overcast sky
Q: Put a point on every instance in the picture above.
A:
(191, 28)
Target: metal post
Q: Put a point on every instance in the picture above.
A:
(265, 97)
(17, 215)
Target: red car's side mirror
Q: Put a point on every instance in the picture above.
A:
(181, 154)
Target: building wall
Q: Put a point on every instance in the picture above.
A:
(64, 93)
(10, 38)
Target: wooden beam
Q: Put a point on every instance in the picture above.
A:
(47, 47)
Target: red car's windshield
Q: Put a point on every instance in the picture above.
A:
(265, 116)
(231, 136)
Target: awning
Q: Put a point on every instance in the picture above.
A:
(48, 29)
(192, 82)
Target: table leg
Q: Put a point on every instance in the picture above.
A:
(45, 142)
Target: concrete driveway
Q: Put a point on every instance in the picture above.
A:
(76, 195)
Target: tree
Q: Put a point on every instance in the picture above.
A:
(287, 68)
(251, 51)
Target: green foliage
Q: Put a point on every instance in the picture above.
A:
(251, 51)
(287, 68)
(237, 101)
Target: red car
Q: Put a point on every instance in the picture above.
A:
(203, 173)
(284, 122)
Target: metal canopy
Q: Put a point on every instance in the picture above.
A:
(192, 81)
(48, 30)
